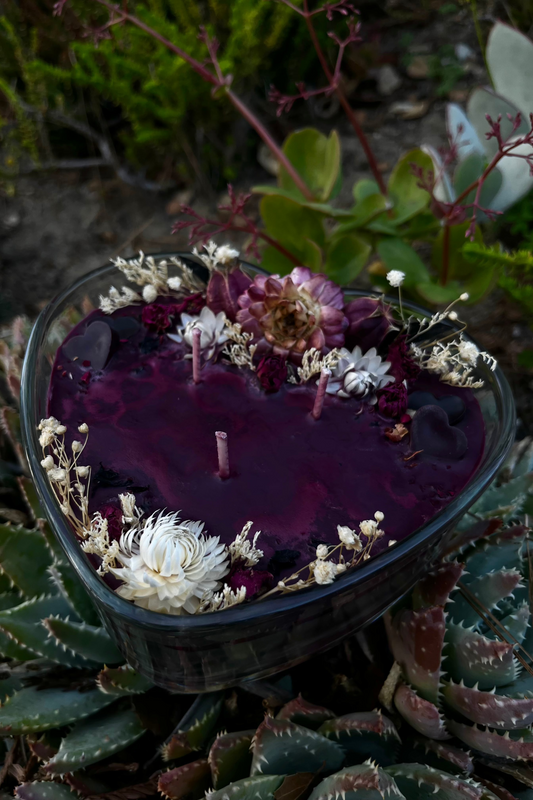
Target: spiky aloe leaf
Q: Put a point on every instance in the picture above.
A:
(190, 780)
(488, 708)
(120, 681)
(10, 424)
(32, 710)
(258, 787)
(91, 643)
(495, 553)
(10, 649)
(476, 659)
(230, 757)
(515, 623)
(466, 534)
(416, 639)
(420, 782)
(31, 498)
(23, 624)
(365, 781)
(442, 755)
(489, 590)
(94, 739)
(25, 558)
(516, 745)
(422, 715)
(364, 734)
(45, 790)
(9, 686)
(503, 501)
(303, 713)
(280, 746)
(72, 588)
(45, 745)
(435, 588)
(194, 729)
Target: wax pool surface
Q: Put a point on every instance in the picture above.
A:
(294, 477)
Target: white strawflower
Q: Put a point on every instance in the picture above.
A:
(322, 551)
(359, 375)
(83, 428)
(349, 538)
(395, 278)
(48, 463)
(324, 572)
(212, 327)
(169, 566)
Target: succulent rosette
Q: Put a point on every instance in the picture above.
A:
(293, 314)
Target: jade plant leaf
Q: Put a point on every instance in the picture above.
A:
(365, 210)
(346, 257)
(258, 787)
(421, 715)
(95, 739)
(509, 55)
(461, 131)
(363, 735)
(409, 199)
(317, 159)
(420, 782)
(488, 708)
(190, 780)
(296, 228)
(121, 681)
(483, 101)
(397, 254)
(230, 758)
(91, 643)
(25, 558)
(281, 746)
(303, 713)
(196, 726)
(72, 588)
(24, 625)
(45, 790)
(32, 710)
(365, 781)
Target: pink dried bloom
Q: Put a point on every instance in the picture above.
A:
(293, 314)
(392, 400)
(157, 317)
(272, 372)
(369, 321)
(403, 367)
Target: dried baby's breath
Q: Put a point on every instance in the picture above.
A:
(453, 361)
(313, 362)
(239, 350)
(241, 549)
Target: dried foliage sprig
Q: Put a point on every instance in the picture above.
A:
(313, 362)
(240, 351)
(453, 361)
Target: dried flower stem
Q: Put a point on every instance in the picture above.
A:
(223, 454)
(196, 337)
(217, 80)
(325, 375)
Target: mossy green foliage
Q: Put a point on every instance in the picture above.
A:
(159, 113)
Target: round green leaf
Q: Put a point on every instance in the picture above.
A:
(317, 159)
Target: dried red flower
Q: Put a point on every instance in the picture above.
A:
(402, 365)
(113, 515)
(158, 317)
(392, 400)
(272, 372)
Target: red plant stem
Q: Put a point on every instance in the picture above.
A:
(325, 375)
(344, 103)
(196, 339)
(445, 256)
(215, 81)
(223, 455)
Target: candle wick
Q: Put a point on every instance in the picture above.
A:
(325, 375)
(196, 338)
(223, 455)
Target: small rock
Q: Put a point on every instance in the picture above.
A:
(383, 166)
(180, 199)
(418, 67)
(464, 52)
(458, 95)
(410, 110)
(388, 80)
(11, 220)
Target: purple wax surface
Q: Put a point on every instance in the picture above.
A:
(294, 477)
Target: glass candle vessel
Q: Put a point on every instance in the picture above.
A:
(250, 641)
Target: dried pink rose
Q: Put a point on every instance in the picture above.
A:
(392, 400)
(272, 372)
(157, 317)
(224, 289)
(402, 365)
(369, 321)
(293, 314)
